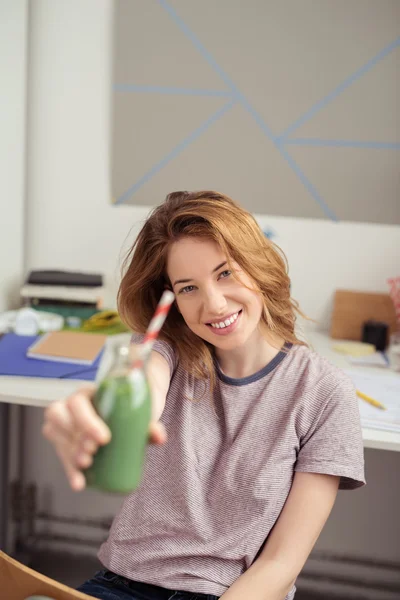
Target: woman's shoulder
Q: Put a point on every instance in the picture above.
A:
(166, 349)
(315, 370)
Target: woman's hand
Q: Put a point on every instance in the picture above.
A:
(76, 431)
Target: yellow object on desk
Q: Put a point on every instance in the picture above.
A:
(371, 400)
(105, 318)
(354, 348)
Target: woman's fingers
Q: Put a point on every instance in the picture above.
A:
(59, 418)
(86, 419)
(75, 476)
(76, 431)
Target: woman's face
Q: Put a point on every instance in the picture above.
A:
(214, 304)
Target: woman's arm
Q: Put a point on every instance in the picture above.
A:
(306, 510)
(159, 377)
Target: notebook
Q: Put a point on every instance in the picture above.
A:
(68, 346)
(14, 361)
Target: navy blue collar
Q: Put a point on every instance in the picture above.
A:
(259, 374)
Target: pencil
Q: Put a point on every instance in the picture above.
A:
(371, 400)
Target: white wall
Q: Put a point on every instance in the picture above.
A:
(73, 225)
(13, 70)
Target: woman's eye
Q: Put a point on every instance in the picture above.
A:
(224, 274)
(186, 289)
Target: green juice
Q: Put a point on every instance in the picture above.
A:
(123, 401)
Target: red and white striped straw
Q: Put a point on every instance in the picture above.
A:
(154, 327)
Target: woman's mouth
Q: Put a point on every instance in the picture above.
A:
(226, 325)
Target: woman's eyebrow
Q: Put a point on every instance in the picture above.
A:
(219, 266)
(188, 280)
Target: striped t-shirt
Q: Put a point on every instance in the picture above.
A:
(210, 496)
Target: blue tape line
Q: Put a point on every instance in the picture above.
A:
(343, 143)
(308, 185)
(213, 63)
(339, 89)
(177, 91)
(236, 94)
(241, 98)
(197, 44)
(177, 150)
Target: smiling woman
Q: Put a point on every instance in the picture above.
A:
(191, 239)
(234, 501)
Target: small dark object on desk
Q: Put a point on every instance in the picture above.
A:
(376, 333)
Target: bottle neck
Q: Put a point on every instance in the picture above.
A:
(125, 358)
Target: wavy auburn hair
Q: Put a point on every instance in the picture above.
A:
(213, 216)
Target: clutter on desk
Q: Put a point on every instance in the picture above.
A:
(54, 287)
(376, 333)
(353, 348)
(361, 354)
(393, 352)
(385, 388)
(77, 297)
(370, 400)
(65, 278)
(73, 322)
(15, 362)
(27, 321)
(68, 346)
(102, 320)
(376, 359)
(105, 321)
(351, 309)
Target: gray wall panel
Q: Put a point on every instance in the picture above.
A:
(291, 107)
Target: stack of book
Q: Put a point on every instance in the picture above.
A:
(72, 288)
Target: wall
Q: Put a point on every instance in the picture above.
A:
(71, 220)
(72, 224)
(301, 97)
(13, 69)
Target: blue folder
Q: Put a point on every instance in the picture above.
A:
(13, 361)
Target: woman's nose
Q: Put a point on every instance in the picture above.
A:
(214, 303)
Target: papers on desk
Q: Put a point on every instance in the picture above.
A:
(377, 359)
(385, 389)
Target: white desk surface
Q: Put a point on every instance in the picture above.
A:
(37, 391)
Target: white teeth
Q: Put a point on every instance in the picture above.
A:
(225, 323)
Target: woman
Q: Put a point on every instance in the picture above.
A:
(261, 431)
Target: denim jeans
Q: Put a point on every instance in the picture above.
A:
(106, 585)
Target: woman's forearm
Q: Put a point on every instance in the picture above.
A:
(262, 581)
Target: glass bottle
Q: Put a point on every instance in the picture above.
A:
(123, 401)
